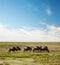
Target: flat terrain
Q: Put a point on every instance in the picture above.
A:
(30, 58)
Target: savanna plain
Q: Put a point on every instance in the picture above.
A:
(30, 58)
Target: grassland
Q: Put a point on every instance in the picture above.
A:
(30, 58)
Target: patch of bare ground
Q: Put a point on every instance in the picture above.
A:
(15, 61)
(1, 62)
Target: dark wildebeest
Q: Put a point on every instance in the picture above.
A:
(18, 48)
(13, 49)
(36, 49)
(41, 48)
(44, 48)
(27, 48)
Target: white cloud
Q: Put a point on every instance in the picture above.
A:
(48, 11)
(26, 32)
(23, 34)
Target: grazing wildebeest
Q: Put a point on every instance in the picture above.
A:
(27, 48)
(18, 48)
(44, 48)
(13, 49)
(41, 48)
(36, 49)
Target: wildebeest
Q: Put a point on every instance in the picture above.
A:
(13, 49)
(27, 48)
(40, 48)
(44, 48)
(18, 48)
(36, 49)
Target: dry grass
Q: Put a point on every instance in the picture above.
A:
(21, 58)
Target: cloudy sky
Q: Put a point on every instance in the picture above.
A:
(30, 20)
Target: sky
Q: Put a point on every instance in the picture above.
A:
(30, 20)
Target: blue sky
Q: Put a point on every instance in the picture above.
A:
(29, 14)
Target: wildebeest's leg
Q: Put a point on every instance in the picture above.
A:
(30, 49)
(33, 50)
(47, 50)
(9, 51)
(38, 50)
(24, 50)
